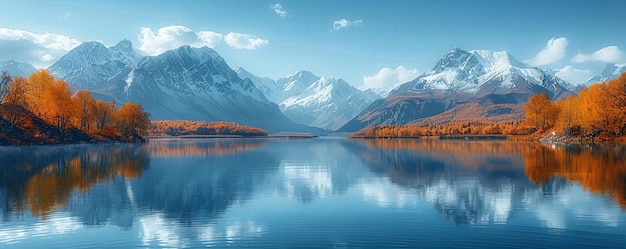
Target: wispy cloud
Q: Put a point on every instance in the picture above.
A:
(278, 9)
(610, 54)
(389, 78)
(574, 75)
(244, 41)
(343, 23)
(553, 52)
(171, 37)
(65, 16)
(39, 49)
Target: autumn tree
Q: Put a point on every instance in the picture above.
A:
(15, 99)
(591, 109)
(60, 105)
(541, 112)
(84, 105)
(131, 119)
(570, 113)
(615, 105)
(103, 113)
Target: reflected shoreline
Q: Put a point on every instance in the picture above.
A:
(227, 192)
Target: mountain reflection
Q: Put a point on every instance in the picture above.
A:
(483, 182)
(43, 179)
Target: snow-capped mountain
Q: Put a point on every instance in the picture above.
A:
(322, 102)
(15, 68)
(197, 84)
(266, 85)
(185, 83)
(495, 81)
(611, 71)
(484, 72)
(91, 63)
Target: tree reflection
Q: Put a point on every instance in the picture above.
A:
(599, 169)
(482, 182)
(201, 147)
(43, 179)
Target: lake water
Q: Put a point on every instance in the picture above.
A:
(313, 193)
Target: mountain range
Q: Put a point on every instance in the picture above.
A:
(198, 84)
(15, 68)
(185, 83)
(305, 98)
(464, 85)
(611, 71)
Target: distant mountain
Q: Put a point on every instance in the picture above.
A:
(15, 68)
(91, 63)
(182, 84)
(322, 102)
(611, 71)
(493, 83)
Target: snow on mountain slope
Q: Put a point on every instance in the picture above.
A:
(15, 68)
(611, 71)
(326, 103)
(197, 84)
(481, 71)
(266, 85)
(494, 81)
(91, 63)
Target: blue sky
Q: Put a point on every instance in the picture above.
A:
(367, 43)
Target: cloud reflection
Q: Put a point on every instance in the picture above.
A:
(57, 224)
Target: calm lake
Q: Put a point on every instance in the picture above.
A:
(313, 193)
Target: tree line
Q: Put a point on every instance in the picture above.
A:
(599, 109)
(53, 101)
(186, 127)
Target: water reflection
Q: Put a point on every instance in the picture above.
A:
(236, 192)
(468, 182)
(484, 182)
(43, 179)
(600, 169)
(200, 147)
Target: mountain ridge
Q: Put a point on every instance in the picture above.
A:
(183, 83)
(324, 102)
(495, 80)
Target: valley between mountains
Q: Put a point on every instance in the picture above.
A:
(197, 84)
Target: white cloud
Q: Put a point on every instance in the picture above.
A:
(574, 75)
(278, 8)
(387, 79)
(343, 23)
(39, 49)
(610, 54)
(244, 41)
(553, 52)
(171, 37)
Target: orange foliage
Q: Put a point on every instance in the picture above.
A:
(52, 187)
(598, 109)
(475, 128)
(598, 171)
(51, 100)
(167, 148)
(541, 112)
(186, 127)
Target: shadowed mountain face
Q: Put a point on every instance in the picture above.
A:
(185, 83)
(492, 82)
